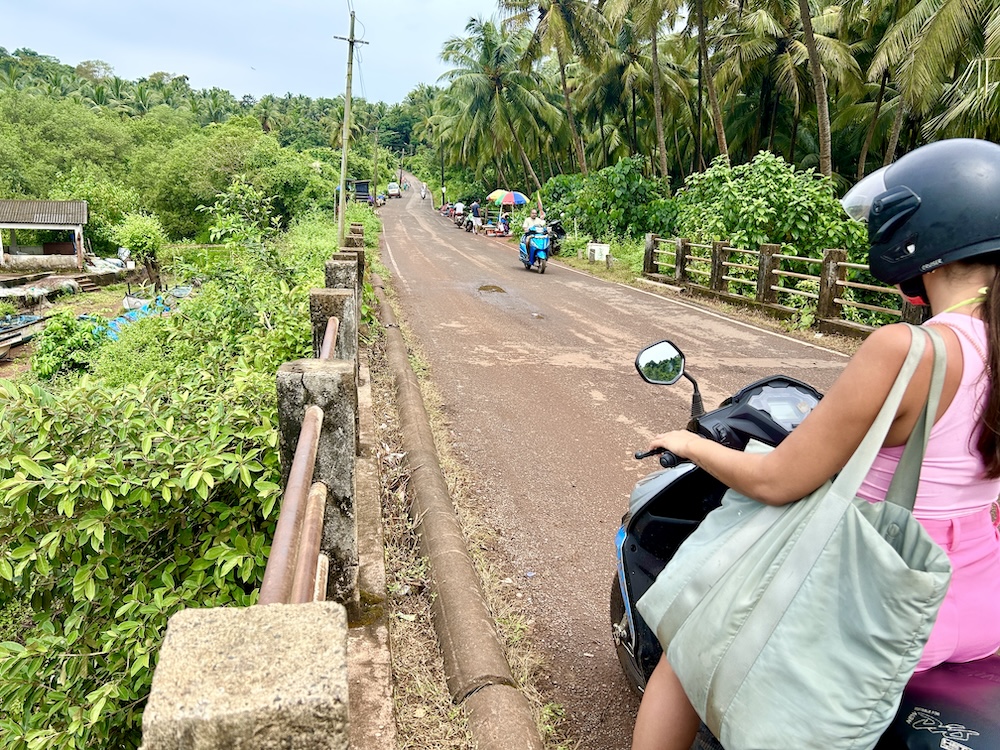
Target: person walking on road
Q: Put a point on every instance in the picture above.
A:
(477, 219)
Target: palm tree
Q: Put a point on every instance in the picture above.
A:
(568, 26)
(499, 104)
(648, 16)
(707, 76)
(930, 38)
(819, 84)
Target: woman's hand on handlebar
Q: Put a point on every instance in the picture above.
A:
(677, 442)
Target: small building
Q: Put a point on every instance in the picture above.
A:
(64, 216)
(361, 190)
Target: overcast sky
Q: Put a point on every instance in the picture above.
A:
(250, 46)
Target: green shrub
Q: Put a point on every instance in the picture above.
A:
(145, 488)
(766, 201)
(120, 507)
(144, 236)
(6, 308)
(618, 201)
(66, 344)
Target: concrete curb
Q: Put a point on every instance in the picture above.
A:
(474, 662)
(369, 658)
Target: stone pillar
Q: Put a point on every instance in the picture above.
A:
(649, 264)
(765, 272)
(354, 240)
(357, 255)
(254, 677)
(720, 254)
(681, 260)
(331, 385)
(827, 308)
(914, 314)
(341, 304)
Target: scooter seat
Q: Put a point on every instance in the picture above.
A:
(950, 707)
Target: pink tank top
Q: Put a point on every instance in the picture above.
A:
(952, 481)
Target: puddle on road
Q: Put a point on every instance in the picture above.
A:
(492, 288)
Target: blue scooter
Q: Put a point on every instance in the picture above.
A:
(950, 707)
(535, 245)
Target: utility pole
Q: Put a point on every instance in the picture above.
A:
(375, 161)
(342, 207)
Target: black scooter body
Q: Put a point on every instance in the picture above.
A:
(951, 707)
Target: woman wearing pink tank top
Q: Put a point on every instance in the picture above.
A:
(934, 229)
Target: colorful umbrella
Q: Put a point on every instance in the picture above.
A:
(507, 198)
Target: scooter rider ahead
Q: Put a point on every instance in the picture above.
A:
(533, 220)
(934, 229)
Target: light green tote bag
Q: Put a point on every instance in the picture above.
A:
(798, 626)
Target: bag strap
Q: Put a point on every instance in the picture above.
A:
(776, 598)
(903, 488)
(850, 478)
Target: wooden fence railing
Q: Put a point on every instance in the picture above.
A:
(832, 288)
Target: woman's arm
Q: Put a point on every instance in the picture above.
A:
(819, 447)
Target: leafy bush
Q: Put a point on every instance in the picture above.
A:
(6, 309)
(66, 344)
(618, 201)
(122, 506)
(108, 202)
(242, 215)
(143, 489)
(766, 201)
(144, 237)
(559, 193)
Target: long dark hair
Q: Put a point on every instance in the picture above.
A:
(988, 444)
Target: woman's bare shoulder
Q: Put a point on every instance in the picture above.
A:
(887, 345)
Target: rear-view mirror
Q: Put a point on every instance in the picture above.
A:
(660, 364)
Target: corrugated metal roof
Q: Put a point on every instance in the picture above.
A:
(70, 213)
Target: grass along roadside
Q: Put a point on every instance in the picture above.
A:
(426, 716)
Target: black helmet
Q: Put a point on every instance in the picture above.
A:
(938, 204)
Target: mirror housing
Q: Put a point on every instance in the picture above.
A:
(661, 363)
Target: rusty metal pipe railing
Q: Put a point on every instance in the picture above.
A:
(329, 338)
(304, 580)
(279, 573)
(322, 576)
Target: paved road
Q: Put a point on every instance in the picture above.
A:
(546, 409)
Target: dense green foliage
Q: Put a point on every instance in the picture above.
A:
(66, 344)
(144, 487)
(617, 201)
(766, 201)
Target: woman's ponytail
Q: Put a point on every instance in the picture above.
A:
(988, 444)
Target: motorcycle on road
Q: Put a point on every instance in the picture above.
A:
(950, 707)
(535, 248)
(557, 234)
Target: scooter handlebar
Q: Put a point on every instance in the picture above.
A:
(668, 460)
(639, 455)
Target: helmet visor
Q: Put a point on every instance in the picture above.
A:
(858, 201)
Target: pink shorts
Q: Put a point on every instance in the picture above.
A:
(968, 624)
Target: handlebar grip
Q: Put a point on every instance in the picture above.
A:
(639, 455)
(669, 460)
